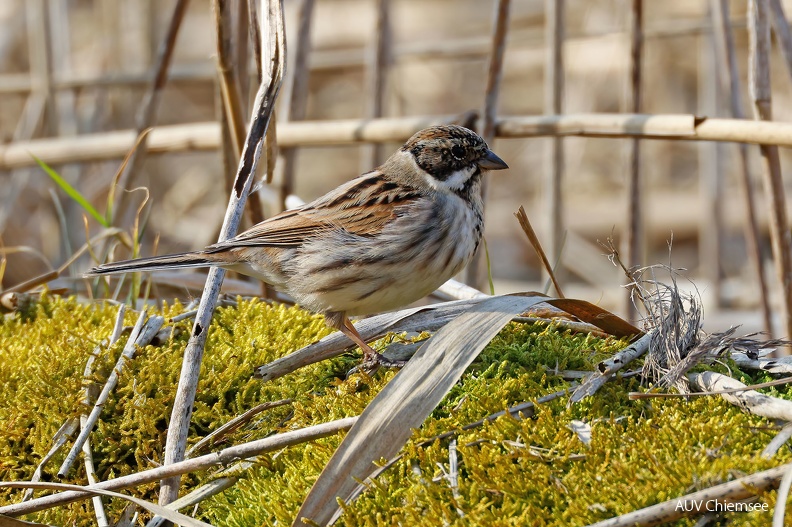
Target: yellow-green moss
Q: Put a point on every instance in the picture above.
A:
(530, 472)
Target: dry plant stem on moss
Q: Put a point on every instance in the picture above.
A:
(63, 434)
(221, 458)
(474, 273)
(779, 365)
(141, 335)
(233, 424)
(607, 368)
(759, 80)
(426, 318)
(273, 57)
(747, 399)
(668, 511)
(89, 399)
(171, 515)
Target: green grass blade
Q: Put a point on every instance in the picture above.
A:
(71, 191)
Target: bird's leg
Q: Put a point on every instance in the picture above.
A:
(370, 356)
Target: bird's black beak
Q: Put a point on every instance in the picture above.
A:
(492, 162)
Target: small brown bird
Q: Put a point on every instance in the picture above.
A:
(376, 243)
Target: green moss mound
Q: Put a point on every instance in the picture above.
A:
(511, 472)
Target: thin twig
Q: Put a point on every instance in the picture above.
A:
(274, 56)
(634, 236)
(554, 105)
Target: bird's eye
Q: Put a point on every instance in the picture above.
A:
(458, 151)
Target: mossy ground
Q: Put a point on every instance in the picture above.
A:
(511, 472)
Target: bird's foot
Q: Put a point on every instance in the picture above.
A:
(374, 360)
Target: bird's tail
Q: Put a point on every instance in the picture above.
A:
(154, 263)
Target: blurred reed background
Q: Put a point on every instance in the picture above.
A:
(73, 71)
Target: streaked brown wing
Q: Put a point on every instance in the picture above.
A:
(363, 207)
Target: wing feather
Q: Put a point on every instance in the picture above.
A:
(363, 207)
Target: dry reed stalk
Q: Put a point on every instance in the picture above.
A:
(781, 30)
(273, 58)
(635, 222)
(711, 185)
(377, 67)
(553, 105)
(205, 136)
(147, 112)
(474, 270)
(231, 90)
(759, 79)
(730, 77)
(298, 99)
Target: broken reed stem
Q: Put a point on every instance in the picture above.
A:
(298, 101)
(730, 78)
(474, 270)
(634, 238)
(759, 79)
(147, 112)
(553, 105)
(274, 56)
